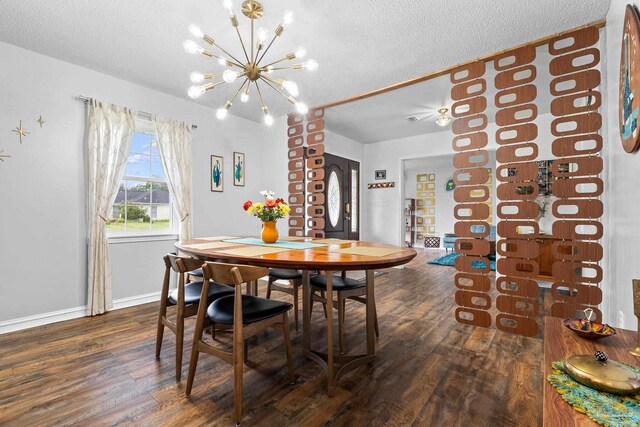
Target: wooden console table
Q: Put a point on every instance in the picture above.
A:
(560, 342)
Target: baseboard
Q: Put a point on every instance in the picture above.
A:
(21, 323)
(42, 319)
(135, 300)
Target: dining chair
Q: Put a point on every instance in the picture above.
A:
(186, 297)
(345, 288)
(194, 275)
(247, 314)
(295, 281)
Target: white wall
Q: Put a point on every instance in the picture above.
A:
(342, 146)
(442, 166)
(622, 202)
(42, 186)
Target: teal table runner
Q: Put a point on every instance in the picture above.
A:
(279, 244)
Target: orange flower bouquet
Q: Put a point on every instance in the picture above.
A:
(268, 212)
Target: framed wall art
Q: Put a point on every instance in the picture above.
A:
(381, 174)
(629, 102)
(217, 176)
(238, 169)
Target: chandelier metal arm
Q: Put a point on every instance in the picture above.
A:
(242, 44)
(260, 94)
(268, 81)
(267, 49)
(286, 58)
(238, 62)
(252, 18)
(230, 102)
(293, 67)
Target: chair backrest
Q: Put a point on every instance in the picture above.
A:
(233, 274)
(181, 264)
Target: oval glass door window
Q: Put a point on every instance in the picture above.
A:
(333, 199)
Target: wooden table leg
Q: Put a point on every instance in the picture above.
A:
(331, 379)
(337, 365)
(371, 314)
(306, 311)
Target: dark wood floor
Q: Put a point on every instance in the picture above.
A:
(429, 370)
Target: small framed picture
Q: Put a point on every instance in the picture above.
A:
(381, 174)
(238, 169)
(217, 168)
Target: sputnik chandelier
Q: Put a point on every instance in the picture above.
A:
(252, 71)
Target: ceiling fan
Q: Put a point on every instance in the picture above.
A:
(442, 118)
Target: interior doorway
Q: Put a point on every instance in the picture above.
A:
(342, 197)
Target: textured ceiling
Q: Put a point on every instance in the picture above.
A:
(360, 45)
(385, 117)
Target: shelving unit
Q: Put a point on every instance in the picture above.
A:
(410, 222)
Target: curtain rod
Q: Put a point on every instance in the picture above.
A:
(146, 115)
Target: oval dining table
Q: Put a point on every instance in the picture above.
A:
(311, 254)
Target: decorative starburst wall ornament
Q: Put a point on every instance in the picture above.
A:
(20, 131)
(251, 70)
(3, 156)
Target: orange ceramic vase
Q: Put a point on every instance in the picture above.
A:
(269, 232)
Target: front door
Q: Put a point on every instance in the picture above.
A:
(342, 197)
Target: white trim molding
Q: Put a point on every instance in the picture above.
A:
(135, 300)
(21, 323)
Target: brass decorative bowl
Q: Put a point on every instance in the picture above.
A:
(602, 374)
(589, 330)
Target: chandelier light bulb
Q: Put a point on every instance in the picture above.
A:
(197, 77)
(244, 97)
(302, 108)
(192, 47)
(227, 4)
(291, 87)
(262, 33)
(229, 76)
(196, 91)
(268, 119)
(301, 52)
(221, 113)
(196, 31)
(288, 18)
(222, 61)
(311, 65)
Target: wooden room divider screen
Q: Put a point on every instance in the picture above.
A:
(576, 185)
(471, 194)
(306, 173)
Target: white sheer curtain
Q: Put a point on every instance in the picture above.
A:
(109, 138)
(174, 141)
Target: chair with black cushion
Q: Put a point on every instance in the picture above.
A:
(295, 281)
(247, 314)
(345, 288)
(186, 297)
(194, 275)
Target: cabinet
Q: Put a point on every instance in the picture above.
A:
(410, 222)
(545, 258)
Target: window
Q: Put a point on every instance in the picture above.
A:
(142, 205)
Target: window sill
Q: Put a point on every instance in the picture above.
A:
(140, 238)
